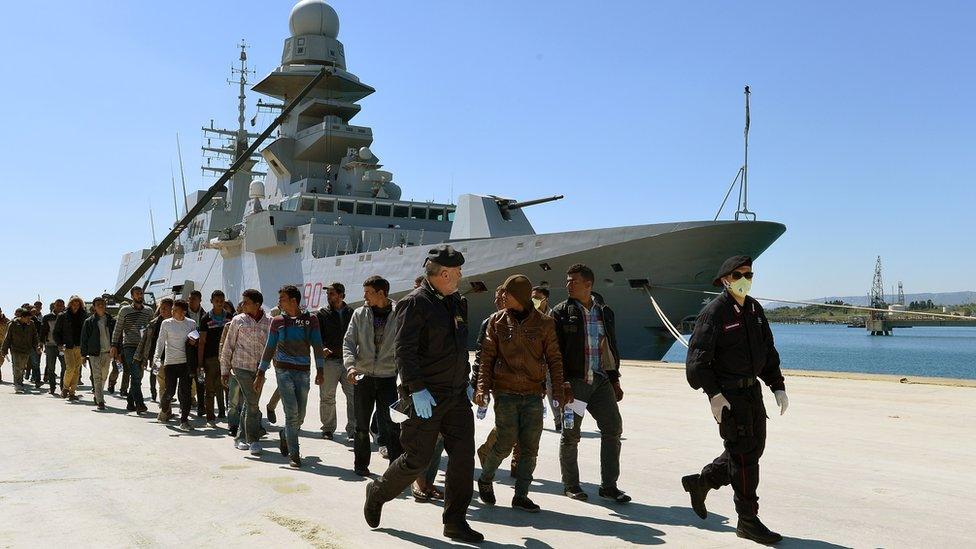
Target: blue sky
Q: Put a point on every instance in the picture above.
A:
(863, 123)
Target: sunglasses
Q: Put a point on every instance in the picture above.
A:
(736, 275)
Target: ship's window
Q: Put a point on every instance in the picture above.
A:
(383, 210)
(418, 212)
(450, 214)
(616, 268)
(401, 211)
(308, 204)
(301, 41)
(364, 208)
(346, 207)
(326, 205)
(300, 50)
(437, 214)
(290, 205)
(545, 266)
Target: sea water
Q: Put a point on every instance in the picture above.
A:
(930, 351)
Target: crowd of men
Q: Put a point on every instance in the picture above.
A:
(404, 370)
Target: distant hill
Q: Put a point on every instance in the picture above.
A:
(943, 298)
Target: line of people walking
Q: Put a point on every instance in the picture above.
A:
(403, 367)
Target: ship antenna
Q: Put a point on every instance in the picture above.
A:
(152, 223)
(744, 186)
(172, 179)
(243, 72)
(179, 152)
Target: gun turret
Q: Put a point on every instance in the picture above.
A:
(506, 205)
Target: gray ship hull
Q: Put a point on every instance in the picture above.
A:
(682, 254)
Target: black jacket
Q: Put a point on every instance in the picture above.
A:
(571, 332)
(333, 325)
(732, 342)
(46, 327)
(67, 330)
(91, 343)
(431, 342)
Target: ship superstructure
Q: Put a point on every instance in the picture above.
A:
(326, 210)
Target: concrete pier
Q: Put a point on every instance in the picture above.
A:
(853, 463)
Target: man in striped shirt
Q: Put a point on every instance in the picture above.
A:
(133, 318)
(291, 335)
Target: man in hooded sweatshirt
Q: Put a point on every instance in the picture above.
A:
(20, 339)
(519, 349)
(67, 334)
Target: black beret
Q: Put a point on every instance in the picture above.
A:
(445, 255)
(730, 265)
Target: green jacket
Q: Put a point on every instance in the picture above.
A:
(20, 339)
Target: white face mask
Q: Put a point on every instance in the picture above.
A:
(740, 288)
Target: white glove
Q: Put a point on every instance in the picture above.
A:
(718, 402)
(782, 401)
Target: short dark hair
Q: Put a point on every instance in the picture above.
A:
(196, 293)
(253, 295)
(97, 300)
(292, 292)
(56, 301)
(135, 289)
(585, 272)
(542, 290)
(378, 283)
(217, 293)
(181, 304)
(338, 287)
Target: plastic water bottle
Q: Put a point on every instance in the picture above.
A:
(118, 366)
(482, 412)
(545, 414)
(569, 417)
(201, 375)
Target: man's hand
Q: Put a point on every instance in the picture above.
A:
(327, 352)
(319, 377)
(782, 401)
(114, 353)
(351, 374)
(258, 382)
(618, 391)
(480, 399)
(718, 402)
(224, 379)
(567, 396)
(423, 403)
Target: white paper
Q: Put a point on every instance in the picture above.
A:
(195, 334)
(577, 406)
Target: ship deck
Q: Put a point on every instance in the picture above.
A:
(854, 462)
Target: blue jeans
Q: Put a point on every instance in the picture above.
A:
(51, 358)
(293, 386)
(35, 365)
(135, 377)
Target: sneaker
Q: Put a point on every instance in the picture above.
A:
(142, 409)
(185, 426)
(523, 503)
(241, 445)
(282, 443)
(212, 424)
(384, 453)
(614, 494)
(255, 449)
(328, 436)
(295, 461)
(486, 492)
(101, 406)
(272, 417)
(462, 532)
(576, 493)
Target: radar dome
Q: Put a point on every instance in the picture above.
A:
(256, 189)
(365, 153)
(313, 17)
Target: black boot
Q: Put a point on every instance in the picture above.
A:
(373, 508)
(696, 488)
(486, 493)
(462, 532)
(751, 528)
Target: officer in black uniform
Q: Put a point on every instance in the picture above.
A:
(432, 358)
(730, 348)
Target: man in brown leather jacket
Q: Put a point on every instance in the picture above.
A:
(519, 348)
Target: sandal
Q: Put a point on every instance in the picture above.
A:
(434, 493)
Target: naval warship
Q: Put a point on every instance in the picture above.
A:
(323, 210)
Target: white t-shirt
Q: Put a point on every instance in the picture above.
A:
(172, 339)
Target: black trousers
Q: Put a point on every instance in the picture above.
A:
(453, 420)
(368, 394)
(743, 431)
(177, 374)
